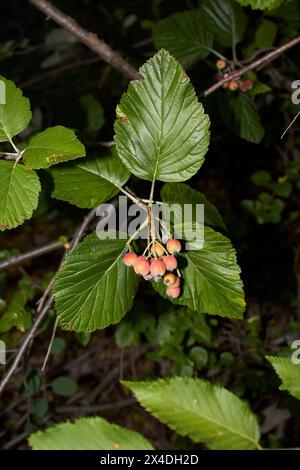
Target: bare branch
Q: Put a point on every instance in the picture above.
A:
(88, 38)
(262, 61)
(35, 253)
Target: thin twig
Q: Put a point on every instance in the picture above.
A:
(35, 253)
(88, 38)
(290, 125)
(90, 409)
(57, 71)
(253, 65)
(50, 345)
(45, 306)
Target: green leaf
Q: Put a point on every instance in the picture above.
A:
(211, 281)
(88, 434)
(288, 11)
(162, 131)
(94, 288)
(58, 345)
(288, 372)
(54, 145)
(15, 114)
(261, 178)
(204, 412)
(265, 34)
(261, 4)
(226, 20)
(94, 113)
(181, 193)
(40, 407)
(64, 386)
(90, 182)
(184, 35)
(19, 194)
(199, 356)
(247, 121)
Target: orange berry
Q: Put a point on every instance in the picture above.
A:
(170, 262)
(173, 292)
(157, 267)
(246, 85)
(233, 85)
(221, 64)
(225, 85)
(170, 279)
(158, 249)
(142, 266)
(173, 246)
(130, 259)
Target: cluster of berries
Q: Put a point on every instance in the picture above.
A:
(160, 267)
(232, 85)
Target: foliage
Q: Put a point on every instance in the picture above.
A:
(75, 135)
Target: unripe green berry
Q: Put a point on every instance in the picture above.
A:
(221, 64)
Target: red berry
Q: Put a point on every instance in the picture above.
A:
(130, 259)
(170, 262)
(158, 249)
(142, 266)
(157, 267)
(170, 279)
(246, 85)
(233, 85)
(177, 283)
(173, 292)
(173, 246)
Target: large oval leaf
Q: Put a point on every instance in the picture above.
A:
(90, 182)
(262, 4)
(288, 372)
(206, 413)
(54, 145)
(19, 194)
(94, 288)
(211, 281)
(181, 193)
(184, 35)
(15, 113)
(162, 131)
(225, 19)
(88, 434)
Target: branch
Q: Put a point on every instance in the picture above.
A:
(58, 70)
(88, 38)
(254, 65)
(47, 302)
(53, 246)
